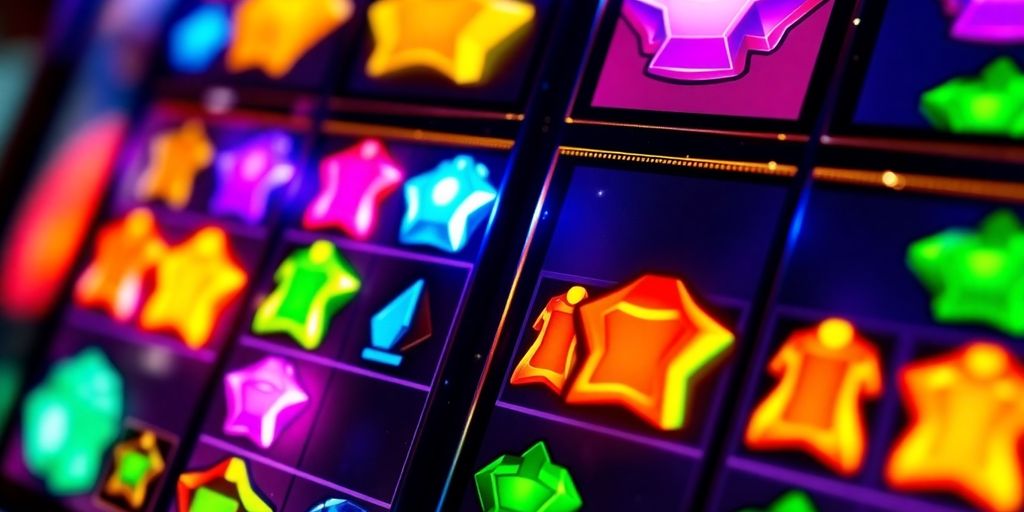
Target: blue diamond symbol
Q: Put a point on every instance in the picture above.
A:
(400, 325)
(337, 505)
(445, 206)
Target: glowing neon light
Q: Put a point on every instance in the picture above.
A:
(990, 104)
(125, 251)
(986, 21)
(646, 343)
(312, 284)
(531, 482)
(445, 206)
(400, 325)
(202, 491)
(824, 374)
(70, 421)
(199, 38)
(247, 176)
(176, 157)
(195, 282)
(262, 398)
(337, 505)
(459, 39)
(701, 40)
(552, 355)
(137, 464)
(975, 276)
(966, 422)
(792, 501)
(353, 184)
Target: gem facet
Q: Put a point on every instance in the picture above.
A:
(975, 277)
(530, 483)
(137, 464)
(223, 487)
(460, 39)
(552, 355)
(273, 35)
(312, 284)
(792, 501)
(195, 282)
(966, 413)
(646, 343)
(262, 399)
(445, 206)
(176, 157)
(337, 505)
(404, 321)
(990, 104)
(986, 21)
(247, 176)
(199, 38)
(70, 420)
(702, 40)
(125, 251)
(353, 183)
(824, 373)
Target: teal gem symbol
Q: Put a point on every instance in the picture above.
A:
(400, 325)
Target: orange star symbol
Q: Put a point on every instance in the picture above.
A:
(272, 35)
(195, 283)
(176, 157)
(137, 463)
(461, 39)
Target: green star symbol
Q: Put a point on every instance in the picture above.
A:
(530, 483)
(792, 501)
(313, 284)
(975, 277)
(990, 104)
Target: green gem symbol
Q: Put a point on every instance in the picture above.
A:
(313, 284)
(70, 421)
(975, 276)
(792, 501)
(209, 500)
(133, 468)
(530, 483)
(990, 104)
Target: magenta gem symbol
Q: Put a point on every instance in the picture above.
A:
(986, 21)
(700, 40)
(262, 399)
(247, 175)
(353, 183)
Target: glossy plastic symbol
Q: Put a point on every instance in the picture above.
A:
(966, 413)
(225, 487)
(552, 355)
(986, 21)
(530, 483)
(991, 104)
(199, 38)
(464, 40)
(445, 206)
(400, 325)
(176, 157)
(702, 40)
(195, 283)
(312, 284)
(646, 343)
(125, 251)
(262, 400)
(247, 176)
(70, 421)
(273, 35)
(792, 501)
(137, 464)
(824, 374)
(337, 505)
(353, 184)
(975, 276)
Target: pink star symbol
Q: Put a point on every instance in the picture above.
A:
(702, 40)
(353, 183)
(262, 400)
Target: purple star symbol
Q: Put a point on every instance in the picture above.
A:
(986, 21)
(709, 40)
(262, 400)
(248, 175)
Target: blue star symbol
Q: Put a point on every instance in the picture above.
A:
(198, 39)
(446, 205)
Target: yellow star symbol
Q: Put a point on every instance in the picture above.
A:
(137, 462)
(176, 157)
(457, 38)
(272, 35)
